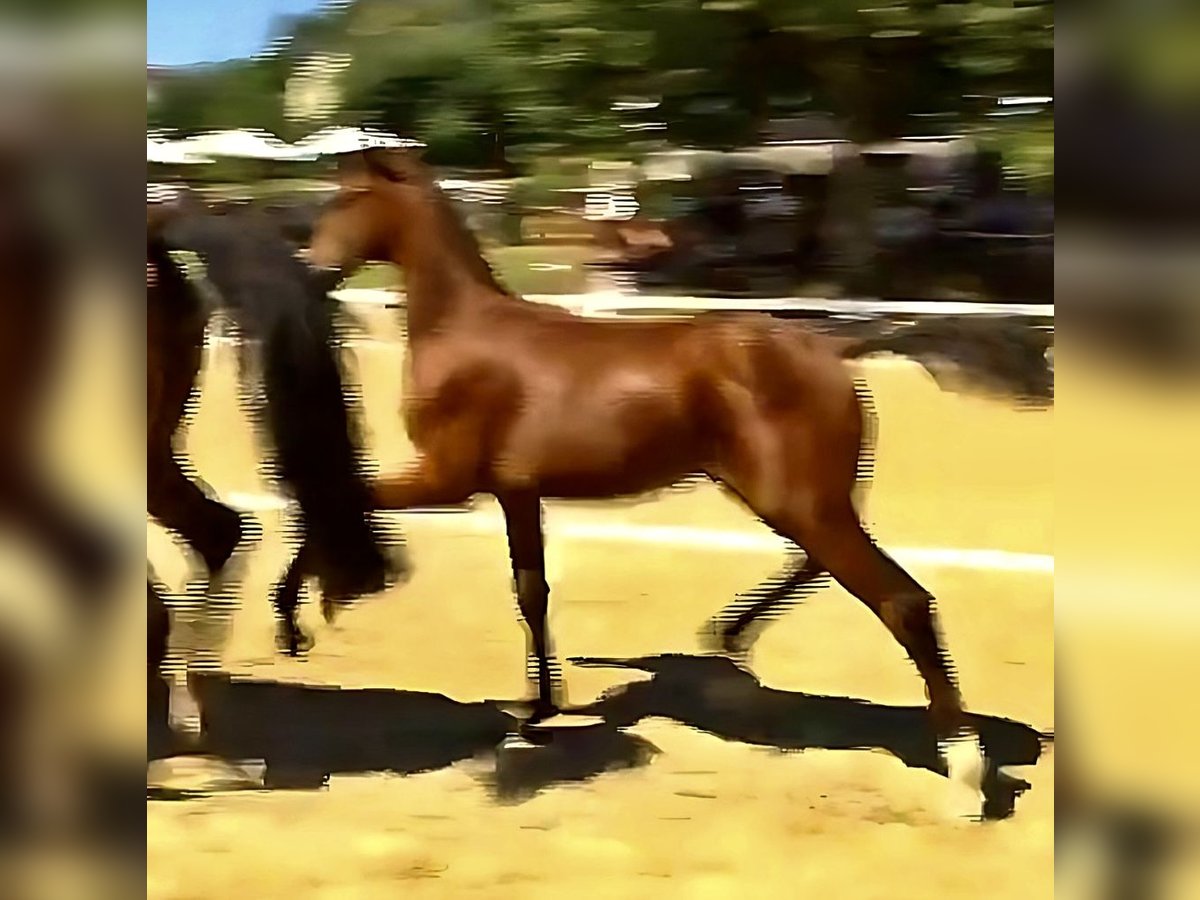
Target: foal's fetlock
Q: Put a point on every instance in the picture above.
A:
(947, 714)
(966, 770)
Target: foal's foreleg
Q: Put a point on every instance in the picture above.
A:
(523, 520)
(214, 531)
(423, 485)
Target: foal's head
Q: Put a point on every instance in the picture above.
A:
(383, 199)
(390, 209)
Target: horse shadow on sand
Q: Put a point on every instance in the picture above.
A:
(304, 734)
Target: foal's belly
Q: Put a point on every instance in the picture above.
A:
(598, 443)
(580, 482)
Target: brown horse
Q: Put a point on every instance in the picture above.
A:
(525, 401)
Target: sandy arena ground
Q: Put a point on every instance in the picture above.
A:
(706, 817)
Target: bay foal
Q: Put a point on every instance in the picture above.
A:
(525, 401)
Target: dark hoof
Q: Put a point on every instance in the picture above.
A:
(342, 591)
(371, 574)
(331, 608)
(293, 640)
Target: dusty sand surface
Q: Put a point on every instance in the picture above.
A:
(707, 817)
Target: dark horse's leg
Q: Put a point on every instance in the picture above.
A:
(735, 628)
(213, 531)
(175, 323)
(289, 636)
(523, 519)
(421, 487)
(159, 737)
(174, 355)
(210, 528)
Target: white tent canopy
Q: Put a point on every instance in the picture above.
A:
(258, 144)
(171, 154)
(243, 144)
(334, 141)
(799, 157)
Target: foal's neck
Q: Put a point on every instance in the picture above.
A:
(444, 270)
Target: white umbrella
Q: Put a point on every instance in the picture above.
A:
(336, 141)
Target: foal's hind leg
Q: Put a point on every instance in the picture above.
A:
(835, 535)
(907, 609)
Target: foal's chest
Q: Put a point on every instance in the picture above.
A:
(442, 386)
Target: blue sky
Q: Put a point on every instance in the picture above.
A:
(189, 31)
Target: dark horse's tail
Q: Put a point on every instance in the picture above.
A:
(1005, 355)
(308, 415)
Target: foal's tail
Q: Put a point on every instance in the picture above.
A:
(1006, 355)
(309, 416)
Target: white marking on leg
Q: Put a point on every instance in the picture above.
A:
(965, 768)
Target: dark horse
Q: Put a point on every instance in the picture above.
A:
(308, 418)
(525, 401)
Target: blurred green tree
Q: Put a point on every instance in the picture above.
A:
(504, 82)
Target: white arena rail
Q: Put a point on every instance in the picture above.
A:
(607, 304)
